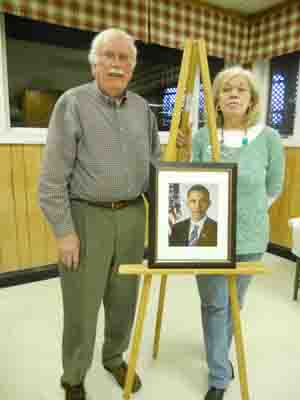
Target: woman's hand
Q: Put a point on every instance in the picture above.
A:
(181, 139)
(184, 145)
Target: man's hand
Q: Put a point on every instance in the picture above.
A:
(68, 250)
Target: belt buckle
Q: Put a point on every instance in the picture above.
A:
(117, 205)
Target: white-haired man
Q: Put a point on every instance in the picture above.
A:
(96, 167)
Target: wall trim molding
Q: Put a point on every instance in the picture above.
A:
(24, 136)
(281, 251)
(31, 275)
(39, 136)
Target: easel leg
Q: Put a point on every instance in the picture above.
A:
(137, 336)
(235, 313)
(161, 302)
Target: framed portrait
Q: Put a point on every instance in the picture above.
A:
(192, 215)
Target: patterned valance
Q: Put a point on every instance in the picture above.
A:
(275, 34)
(172, 22)
(92, 15)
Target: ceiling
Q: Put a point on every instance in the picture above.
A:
(247, 7)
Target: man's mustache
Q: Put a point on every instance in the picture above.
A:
(116, 72)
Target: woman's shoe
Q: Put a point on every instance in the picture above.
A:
(214, 394)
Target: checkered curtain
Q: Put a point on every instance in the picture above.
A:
(275, 34)
(92, 15)
(172, 21)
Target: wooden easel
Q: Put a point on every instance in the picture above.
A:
(245, 268)
(194, 54)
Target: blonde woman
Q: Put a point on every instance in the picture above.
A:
(258, 151)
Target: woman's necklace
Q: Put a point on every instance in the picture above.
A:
(245, 140)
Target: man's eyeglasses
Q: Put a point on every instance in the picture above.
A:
(122, 58)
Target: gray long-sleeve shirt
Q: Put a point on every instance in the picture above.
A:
(98, 149)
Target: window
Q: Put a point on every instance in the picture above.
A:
(156, 79)
(283, 92)
(43, 61)
(40, 61)
(169, 96)
(158, 68)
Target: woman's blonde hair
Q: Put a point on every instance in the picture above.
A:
(254, 111)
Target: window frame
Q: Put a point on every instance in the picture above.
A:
(9, 134)
(262, 72)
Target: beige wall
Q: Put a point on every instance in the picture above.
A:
(25, 237)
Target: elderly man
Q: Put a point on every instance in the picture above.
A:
(96, 165)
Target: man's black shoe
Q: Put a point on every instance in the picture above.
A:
(76, 392)
(214, 394)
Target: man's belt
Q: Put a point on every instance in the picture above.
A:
(113, 205)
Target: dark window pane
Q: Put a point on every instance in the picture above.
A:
(283, 92)
(43, 60)
(166, 88)
(169, 96)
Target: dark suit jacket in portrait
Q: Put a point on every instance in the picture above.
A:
(181, 230)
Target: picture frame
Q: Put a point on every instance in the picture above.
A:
(183, 195)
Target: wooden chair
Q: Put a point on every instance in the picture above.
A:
(295, 224)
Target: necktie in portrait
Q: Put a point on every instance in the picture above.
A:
(194, 235)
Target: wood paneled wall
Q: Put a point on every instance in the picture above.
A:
(26, 240)
(288, 205)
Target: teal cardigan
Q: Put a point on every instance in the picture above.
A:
(260, 176)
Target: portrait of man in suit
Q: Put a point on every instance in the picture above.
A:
(199, 229)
